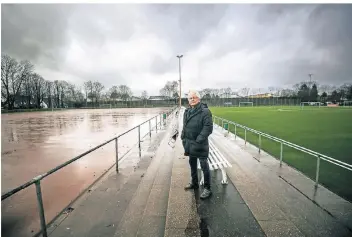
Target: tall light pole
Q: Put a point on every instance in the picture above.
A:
(179, 71)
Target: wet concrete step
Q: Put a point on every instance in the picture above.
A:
(99, 212)
(182, 218)
(132, 220)
(154, 216)
(224, 214)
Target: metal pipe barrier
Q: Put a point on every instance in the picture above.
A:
(36, 180)
(286, 143)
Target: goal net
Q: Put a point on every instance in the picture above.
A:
(245, 104)
(310, 104)
(347, 103)
(105, 106)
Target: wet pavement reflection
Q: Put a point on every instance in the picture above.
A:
(33, 143)
(225, 213)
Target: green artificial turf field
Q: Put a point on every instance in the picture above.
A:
(324, 130)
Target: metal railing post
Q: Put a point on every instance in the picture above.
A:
(245, 136)
(117, 154)
(222, 124)
(317, 174)
(228, 128)
(156, 124)
(281, 153)
(41, 208)
(259, 143)
(235, 131)
(139, 140)
(150, 130)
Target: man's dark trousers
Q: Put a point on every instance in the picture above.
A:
(205, 169)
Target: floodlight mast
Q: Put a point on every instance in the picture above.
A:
(179, 71)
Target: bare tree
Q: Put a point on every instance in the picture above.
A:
(27, 90)
(144, 95)
(163, 92)
(170, 89)
(57, 93)
(114, 93)
(287, 92)
(125, 92)
(88, 88)
(206, 93)
(215, 92)
(245, 91)
(97, 90)
(12, 76)
(296, 88)
(8, 69)
(63, 85)
(38, 89)
(49, 91)
(228, 92)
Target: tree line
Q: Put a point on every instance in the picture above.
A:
(305, 91)
(23, 88)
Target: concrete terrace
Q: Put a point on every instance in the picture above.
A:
(146, 198)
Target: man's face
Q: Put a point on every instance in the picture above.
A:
(193, 99)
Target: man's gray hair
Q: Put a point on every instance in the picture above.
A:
(193, 92)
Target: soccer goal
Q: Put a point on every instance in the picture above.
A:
(347, 103)
(315, 104)
(244, 104)
(105, 106)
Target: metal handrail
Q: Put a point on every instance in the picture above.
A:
(289, 144)
(36, 180)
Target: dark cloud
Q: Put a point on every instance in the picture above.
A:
(161, 66)
(30, 31)
(97, 24)
(277, 44)
(184, 25)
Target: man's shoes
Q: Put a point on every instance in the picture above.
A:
(205, 194)
(191, 186)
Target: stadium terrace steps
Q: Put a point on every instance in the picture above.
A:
(281, 198)
(145, 215)
(105, 207)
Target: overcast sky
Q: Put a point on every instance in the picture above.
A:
(223, 45)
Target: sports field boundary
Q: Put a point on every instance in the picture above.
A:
(225, 124)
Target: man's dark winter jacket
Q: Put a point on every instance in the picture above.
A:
(197, 126)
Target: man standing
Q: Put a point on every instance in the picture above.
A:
(197, 126)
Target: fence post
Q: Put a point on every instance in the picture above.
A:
(117, 154)
(150, 130)
(228, 128)
(139, 140)
(41, 208)
(317, 174)
(245, 136)
(222, 124)
(260, 142)
(156, 124)
(235, 131)
(281, 150)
